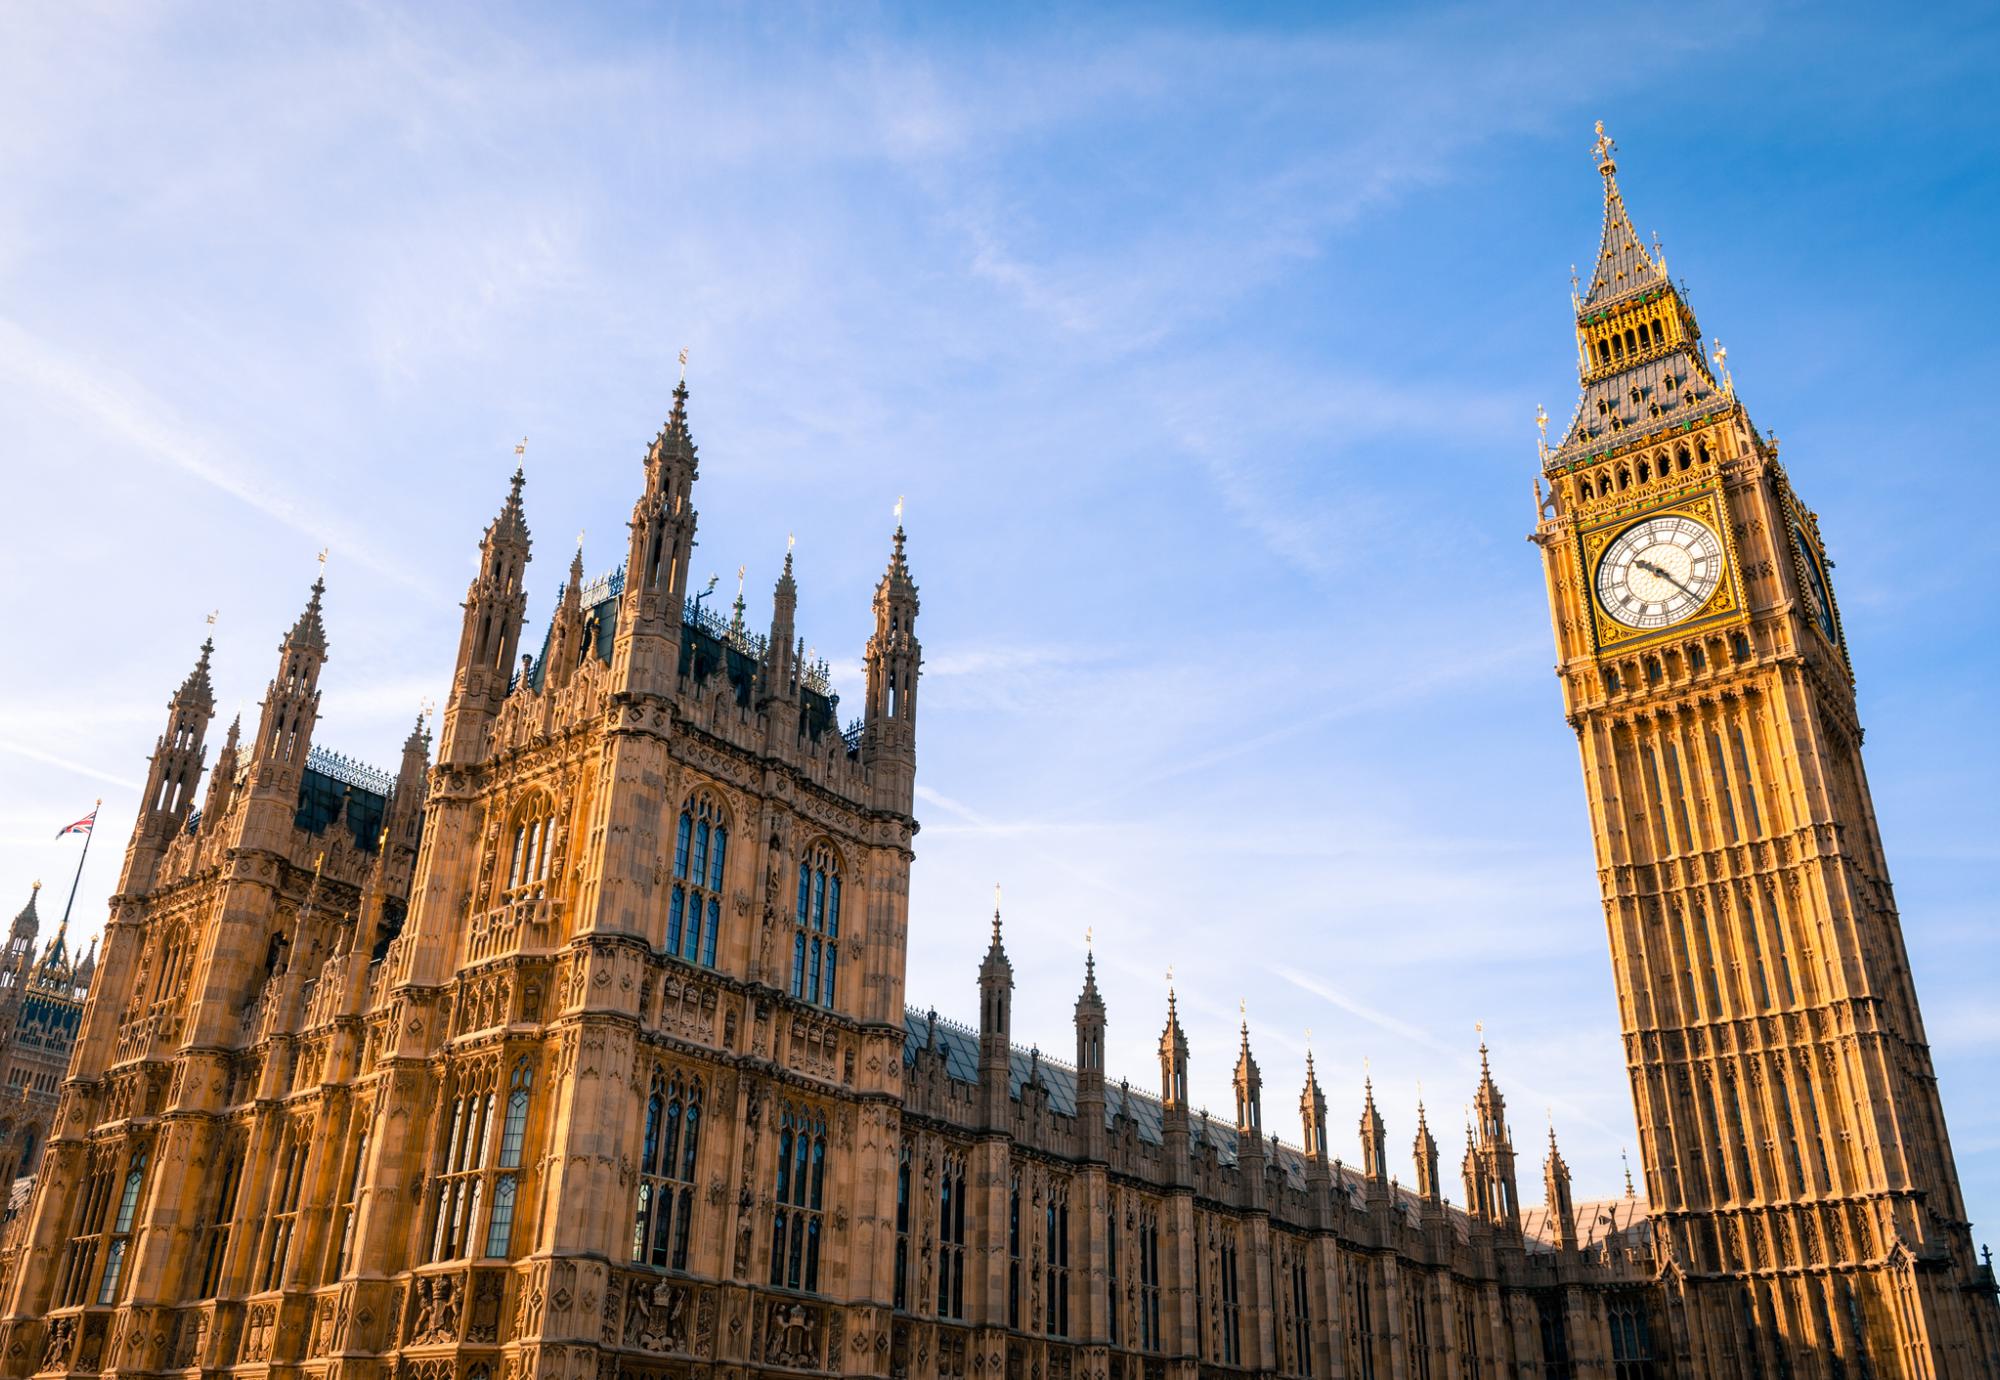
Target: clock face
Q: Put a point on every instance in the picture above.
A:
(1818, 600)
(1659, 571)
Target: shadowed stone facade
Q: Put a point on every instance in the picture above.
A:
(584, 1052)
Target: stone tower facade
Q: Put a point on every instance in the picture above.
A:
(41, 1004)
(1804, 1202)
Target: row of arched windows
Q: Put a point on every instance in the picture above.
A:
(1648, 468)
(800, 1199)
(816, 934)
(1616, 346)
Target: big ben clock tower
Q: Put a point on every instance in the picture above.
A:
(1806, 1213)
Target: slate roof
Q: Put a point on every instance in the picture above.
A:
(1665, 380)
(1623, 264)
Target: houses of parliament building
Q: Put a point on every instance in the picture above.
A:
(582, 1052)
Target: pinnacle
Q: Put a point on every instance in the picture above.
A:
(310, 630)
(1623, 265)
(197, 687)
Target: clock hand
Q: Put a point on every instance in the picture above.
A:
(1652, 569)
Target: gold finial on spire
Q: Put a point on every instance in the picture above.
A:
(791, 540)
(212, 615)
(1722, 363)
(684, 365)
(1088, 932)
(321, 558)
(899, 510)
(1603, 148)
(579, 539)
(521, 449)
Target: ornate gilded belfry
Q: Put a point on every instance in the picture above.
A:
(1804, 1203)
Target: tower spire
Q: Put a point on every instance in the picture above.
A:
(1623, 265)
(496, 604)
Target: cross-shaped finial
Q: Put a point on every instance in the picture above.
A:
(212, 616)
(1088, 932)
(1603, 147)
(521, 449)
(739, 579)
(1170, 975)
(791, 540)
(1542, 421)
(899, 510)
(684, 364)
(321, 558)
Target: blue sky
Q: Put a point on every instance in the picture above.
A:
(1206, 347)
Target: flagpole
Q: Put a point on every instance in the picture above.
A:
(79, 861)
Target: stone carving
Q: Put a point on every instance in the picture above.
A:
(657, 1319)
(791, 1336)
(436, 1311)
(62, 1337)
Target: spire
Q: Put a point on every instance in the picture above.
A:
(309, 631)
(196, 690)
(1090, 1059)
(1173, 1056)
(1426, 1153)
(1623, 265)
(512, 523)
(996, 1000)
(222, 780)
(894, 660)
(778, 677)
(674, 445)
(1374, 1136)
(1312, 1118)
(87, 969)
(1562, 1212)
(496, 604)
(29, 921)
(1249, 1092)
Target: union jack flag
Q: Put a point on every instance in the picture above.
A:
(82, 826)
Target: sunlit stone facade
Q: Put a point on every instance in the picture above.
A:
(584, 1052)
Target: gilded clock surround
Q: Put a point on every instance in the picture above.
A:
(1722, 603)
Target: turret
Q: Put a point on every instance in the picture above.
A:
(1425, 1151)
(1174, 1129)
(996, 1001)
(566, 629)
(646, 658)
(1562, 1212)
(889, 736)
(20, 951)
(496, 604)
(1501, 1204)
(777, 677)
(1090, 1063)
(291, 705)
(172, 775)
(1250, 1151)
(222, 780)
(1312, 1118)
(1374, 1143)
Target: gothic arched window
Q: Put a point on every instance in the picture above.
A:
(816, 937)
(506, 1186)
(701, 852)
(668, 1150)
(795, 1226)
(528, 855)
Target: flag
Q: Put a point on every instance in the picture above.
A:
(82, 826)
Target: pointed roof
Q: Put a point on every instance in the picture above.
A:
(1089, 998)
(1246, 1062)
(511, 524)
(1623, 264)
(310, 630)
(995, 963)
(197, 689)
(674, 442)
(29, 921)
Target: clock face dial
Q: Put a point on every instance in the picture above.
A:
(1818, 601)
(1659, 571)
